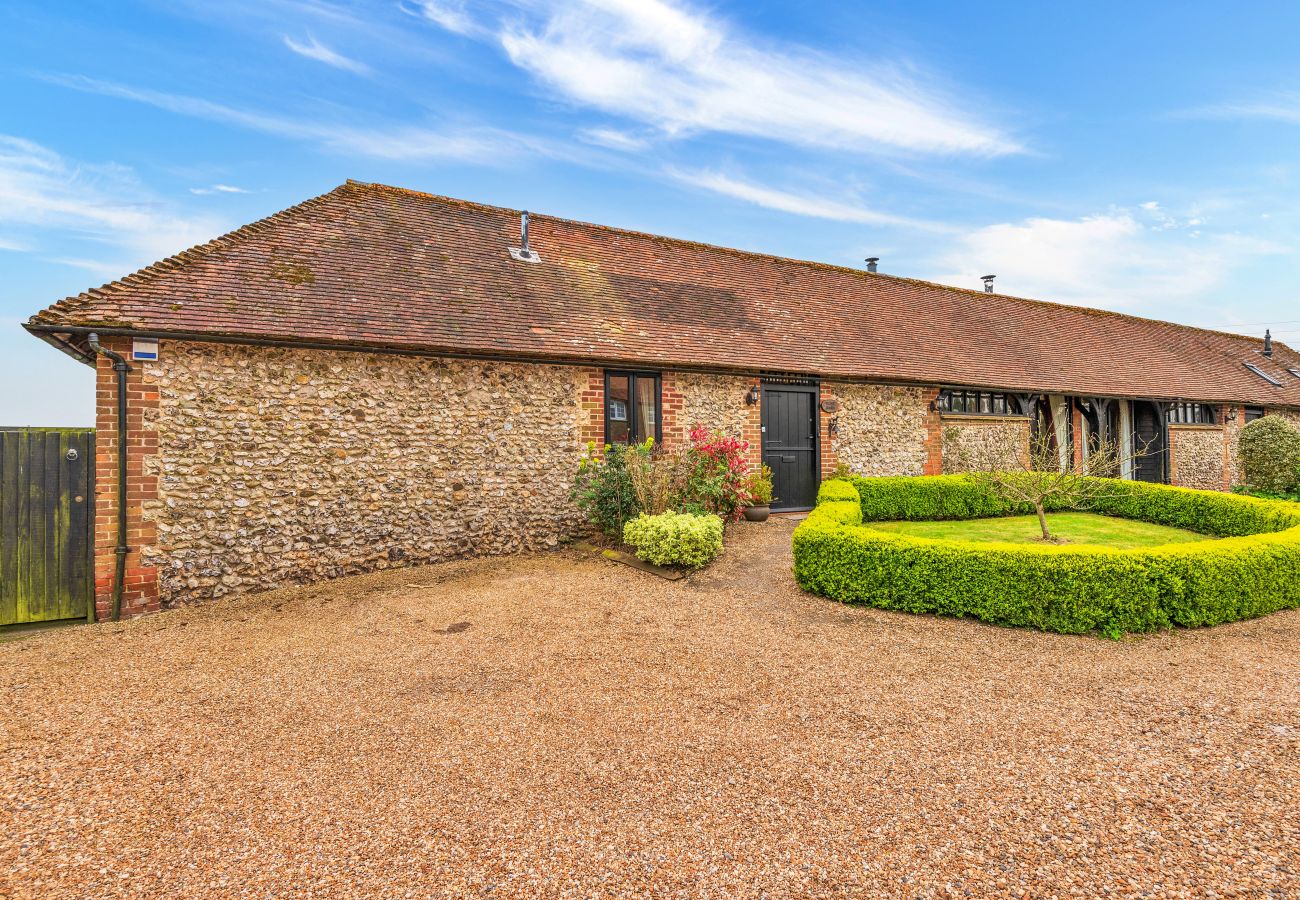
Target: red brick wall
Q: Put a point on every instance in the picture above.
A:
(140, 588)
(591, 427)
(826, 439)
(933, 434)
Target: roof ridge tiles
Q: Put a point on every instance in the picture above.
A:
(377, 265)
(790, 260)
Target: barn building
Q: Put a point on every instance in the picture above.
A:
(380, 377)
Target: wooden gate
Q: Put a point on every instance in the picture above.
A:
(47, 523)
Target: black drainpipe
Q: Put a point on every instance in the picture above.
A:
(119, 571)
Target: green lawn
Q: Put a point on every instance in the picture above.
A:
(1075, 527)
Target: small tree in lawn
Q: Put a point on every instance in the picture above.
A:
(1040, 476)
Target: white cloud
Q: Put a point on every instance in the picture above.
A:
(409, 143)
(1112, 261)
(218, 189)
(683, 71)
(613, 138)
(314, 49)
(797, 204)
(55, 201)
(448, 14)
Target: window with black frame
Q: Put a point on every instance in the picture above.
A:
(960, 402)
(632, 407)
(1254, 412)
(1191, 414)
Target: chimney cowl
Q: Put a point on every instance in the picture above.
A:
(871, 263)
(1268, 342)
(988, 283)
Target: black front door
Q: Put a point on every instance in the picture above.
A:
(1148, 442)
(790, 444)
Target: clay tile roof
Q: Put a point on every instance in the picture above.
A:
(376, 266)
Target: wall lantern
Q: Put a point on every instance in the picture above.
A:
(751, 399)
(833, 426)
(1232, 415)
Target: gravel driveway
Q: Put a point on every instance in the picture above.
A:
(594, 730)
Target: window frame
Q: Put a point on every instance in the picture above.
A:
(1253, 413)
(633, 420)
(1192, 413)
(987, 404)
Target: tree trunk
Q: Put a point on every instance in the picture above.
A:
(1042, 521)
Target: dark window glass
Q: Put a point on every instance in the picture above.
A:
(618, 420)
(631, 407)
(975, 403)
(1254, 412)
(1191, 414)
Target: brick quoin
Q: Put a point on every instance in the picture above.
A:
(933, 434)
(828, 457)
(140, 586)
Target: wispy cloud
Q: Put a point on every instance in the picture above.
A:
(448, 14)
(613, 138)
(218, 189)
(1280, 106)
(1121, 259)
(55, 200)
(409, 143)
(799, 204)
(682, 71)
(314, 49)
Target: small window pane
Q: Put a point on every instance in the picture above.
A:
(645, 408)
(617, 410)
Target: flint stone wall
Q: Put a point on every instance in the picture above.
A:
(715, 401)
(1197, 458)
(280, 466)
(882, 429)
(983, 443)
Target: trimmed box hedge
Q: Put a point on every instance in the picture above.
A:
(1252, 571)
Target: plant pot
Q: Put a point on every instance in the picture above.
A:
(757, 513)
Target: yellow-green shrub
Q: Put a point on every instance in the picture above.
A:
(675, 539)
(1270, 454)
(1066, 589)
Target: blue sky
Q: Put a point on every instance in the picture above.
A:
(1138, 157)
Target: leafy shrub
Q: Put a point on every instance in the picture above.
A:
(657, 476)
(1065, 589)
(675, 539)
(1270, 455)
(1293, 497)
(759, 487)
(717, 479)
(603, 489)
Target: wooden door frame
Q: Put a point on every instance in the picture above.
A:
(809, 386)
(1162, 426)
